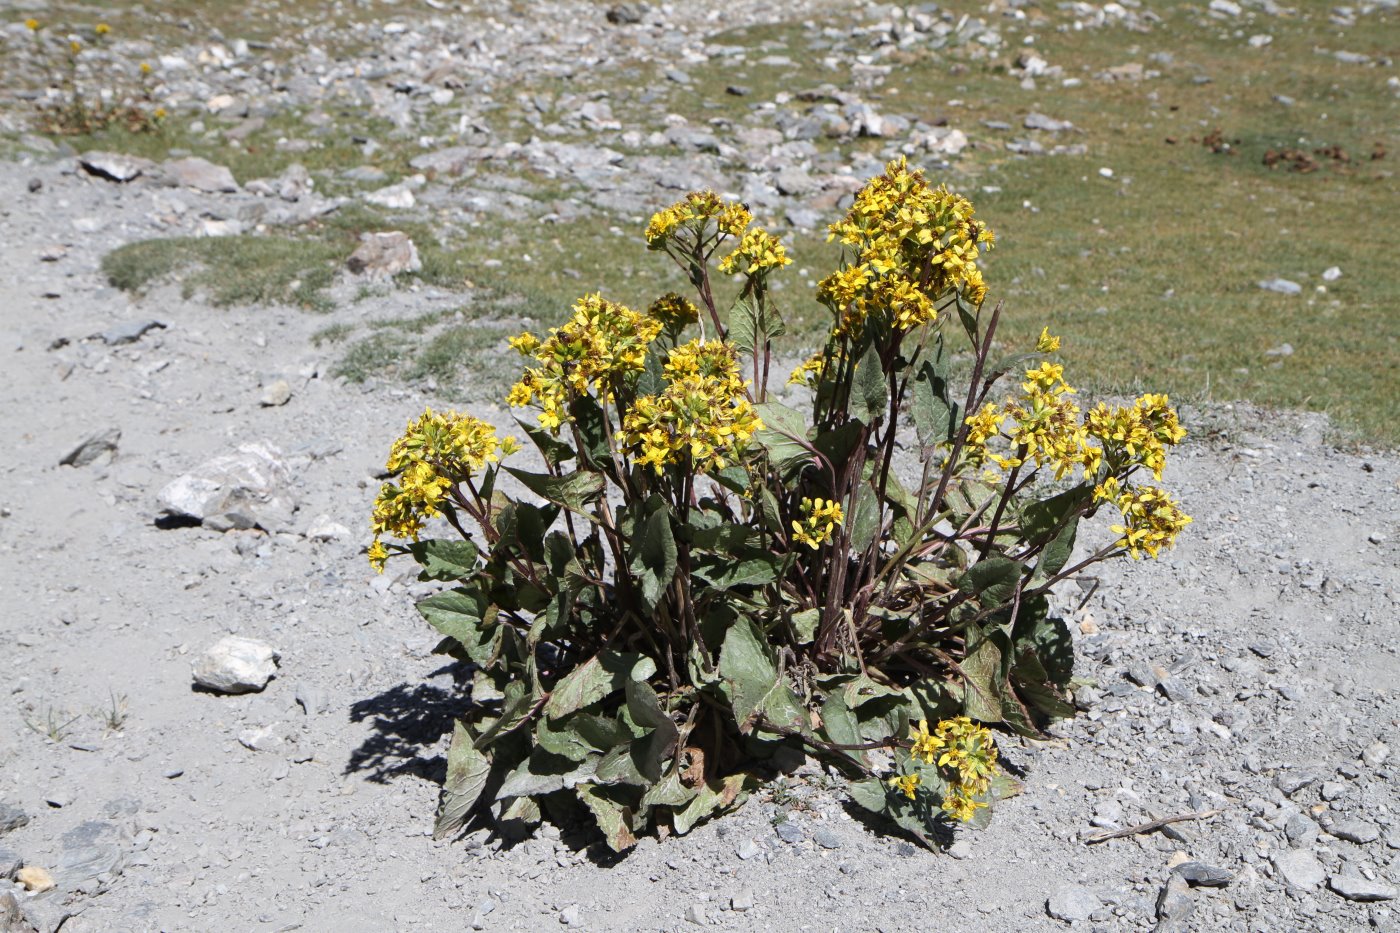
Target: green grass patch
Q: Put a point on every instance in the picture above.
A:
(237, 270)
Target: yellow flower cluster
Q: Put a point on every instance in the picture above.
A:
(704, 413)
(1047, 425)
(1152, 518)
(674, 311)
(1140, 434)
(692, 212)
(821, 517)
(913, 244)
(602, 342)
(963, 747)
(31, 24)
(102, 29)
(435, 452)
(810, 372)
(757, 253)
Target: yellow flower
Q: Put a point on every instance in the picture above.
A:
(757, 253)
(145, 68)
(961, 807)
(31, 24)
(703, 416)
(1152, 520)
(74, 46)
(378, 554)
(102, 29)
(925, 746)
(1047, 343)
(674, 311)
(159, 113)
(525, 344)
(904, 783)
(822, 517)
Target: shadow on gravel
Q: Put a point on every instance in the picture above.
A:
(407, 719)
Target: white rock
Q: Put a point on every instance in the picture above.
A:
(1228, 7)
(220, 102)
(114, 166)
(1375, 754)
(1332, 274)
(1354, 887)
(236, 665)
(1072, 902)
(1299, 868)
(246, 489)
(276, 394)
(395, 197)
(323, 529)
(1281, 286)
(201, 175)
(1260, 40)
(944, 141)
(384, 255)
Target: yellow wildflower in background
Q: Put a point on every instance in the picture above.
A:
(704, 414)
(434, 454)
(1047, 343)
(821, 517)
(758, 252)
(905, 784)
(31, 24)
(674, 311)
(102, 29)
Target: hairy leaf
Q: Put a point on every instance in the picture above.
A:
(712, 797)
(613, 818)
(654, 557)
(467, 773)
(783, 435)
(752, 682)
(599, 676)
(573, 491)
(444, 559)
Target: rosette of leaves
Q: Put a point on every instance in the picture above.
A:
(700, 575)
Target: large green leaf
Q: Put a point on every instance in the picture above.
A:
(804, 625)
(467, 772)
(551, 448)
(544, 773)
(982, 678)
(614, 818)
(930, 404)
(870, 399)
(444, 558)
(464, 615)
(710, 798)
(993, 581)
(578, 736)
(596, 678)
(753, 324)
(752, 683)
(573, 490)
(841, 726)
(864, 520)
(650, 751)
(654, 556)
(670, 791)
(783, 435)
(748, 567)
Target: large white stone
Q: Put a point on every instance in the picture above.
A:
(236, 665)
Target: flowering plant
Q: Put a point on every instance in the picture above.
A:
(702, 574)
(70, 107)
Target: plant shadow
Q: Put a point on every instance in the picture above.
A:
(407, 720)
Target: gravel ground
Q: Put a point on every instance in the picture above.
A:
(1250, 675)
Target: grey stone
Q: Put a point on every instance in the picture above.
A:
(960, 850)
(312, 699)
(1039, 121)
(1294, 780)
(11, 916)
(276, 394)
(10, 862)
(626, 14)
(747, 849)
(789, 832)
(128, 332)
(1174, 901)
(384, 255)
(102, 442)
(236, 665)
(249, 488)
(1355, 887)
(114, 166)
(1300, 830)
(827, 839)
(11, 817)
(1199, 874)
(1072, 903)
(571, 916)
(1281, 286)
(695, 914)
(1358, 831)
(1331, 790)
(741, 901)
(794, 181)
(1375, 754)
(1299, 869)
(201, 175)
(394, 197)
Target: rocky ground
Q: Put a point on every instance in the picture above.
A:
(1248, 678)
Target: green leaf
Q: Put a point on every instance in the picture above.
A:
(543, 773)
(804, 625)
(596, 678)
(839, 443)
(870, 399)
(841, 727)
(462, 615)
(592, 426)
(648, 752)
(668, 792)
(752, 683)
(652, 380)
(573, 490)
(993, 581)
(654, 556)
(551, 448)
(444, 559)
(878, 797)
(712, 797)
(783, 435)
(982, 678)
(753, 324)
(864, 519)
(613, 818)
(581, 735)
(516, 707)
(929, 401)
(467, 772)
(748, 567)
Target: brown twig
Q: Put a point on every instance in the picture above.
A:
(1152, 826)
